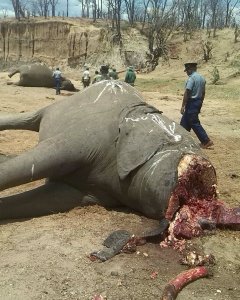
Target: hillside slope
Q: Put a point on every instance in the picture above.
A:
(71, 42)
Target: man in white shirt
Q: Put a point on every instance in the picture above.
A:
(86, 78)
(57, 75)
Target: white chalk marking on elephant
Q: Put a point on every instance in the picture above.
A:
(136, 119)
(156, 119)
(32, 171)
(100, 82)
(100, 94)
(112, 86)
(119, 84)
(115, 84)
(191, 146)
(172, 127)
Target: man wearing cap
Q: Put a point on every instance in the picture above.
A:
(192, 102)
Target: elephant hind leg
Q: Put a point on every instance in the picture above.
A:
(48, 199)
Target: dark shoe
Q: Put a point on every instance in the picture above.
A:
(207, 145)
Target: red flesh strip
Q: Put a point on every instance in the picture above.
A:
(178, 283)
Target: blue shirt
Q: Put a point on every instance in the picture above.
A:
(196, 84)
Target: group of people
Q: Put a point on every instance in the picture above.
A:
(193, 97)
(106, 73)
(103, 74)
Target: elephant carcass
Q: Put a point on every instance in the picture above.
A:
(39, 75)
(106, 145)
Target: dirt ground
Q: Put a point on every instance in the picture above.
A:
(47, 257)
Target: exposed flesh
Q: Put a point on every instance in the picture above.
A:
(193, 206)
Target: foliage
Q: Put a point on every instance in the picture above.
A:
(157, 18)
(215, 75)
(207, 47)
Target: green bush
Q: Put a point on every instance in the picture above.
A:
(215, 75)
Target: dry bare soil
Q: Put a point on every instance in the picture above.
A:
(47, 257)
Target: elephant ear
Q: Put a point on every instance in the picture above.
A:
(139, 137)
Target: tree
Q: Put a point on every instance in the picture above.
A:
(43, 6)
(161, 17)
(203, 13)
(85, 8)
(18, 7)
(146, 4)
(53, 4)
(114, 13)
(214, 6)
(4, 12)
(207, 47)
(130, 6)
(189, 11)
(236, 34)
(230, 6)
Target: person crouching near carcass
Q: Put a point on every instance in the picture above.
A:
(113, 74)
(86, 78)
(97, 77)
(130, 76)
(57, 75)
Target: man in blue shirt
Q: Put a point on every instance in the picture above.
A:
(192, 102)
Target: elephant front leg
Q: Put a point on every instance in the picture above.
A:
(25, 121)
(52, 158)
(48, 199)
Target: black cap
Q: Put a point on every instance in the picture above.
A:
(190, 65)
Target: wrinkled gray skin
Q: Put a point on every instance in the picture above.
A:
(103, 145)
(38, 75)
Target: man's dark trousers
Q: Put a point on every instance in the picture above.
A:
(190, 119)
(58, 85)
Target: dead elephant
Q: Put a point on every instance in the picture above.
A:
(39, 75)
(106, 145)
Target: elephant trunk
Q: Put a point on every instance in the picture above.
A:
(13, 73)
